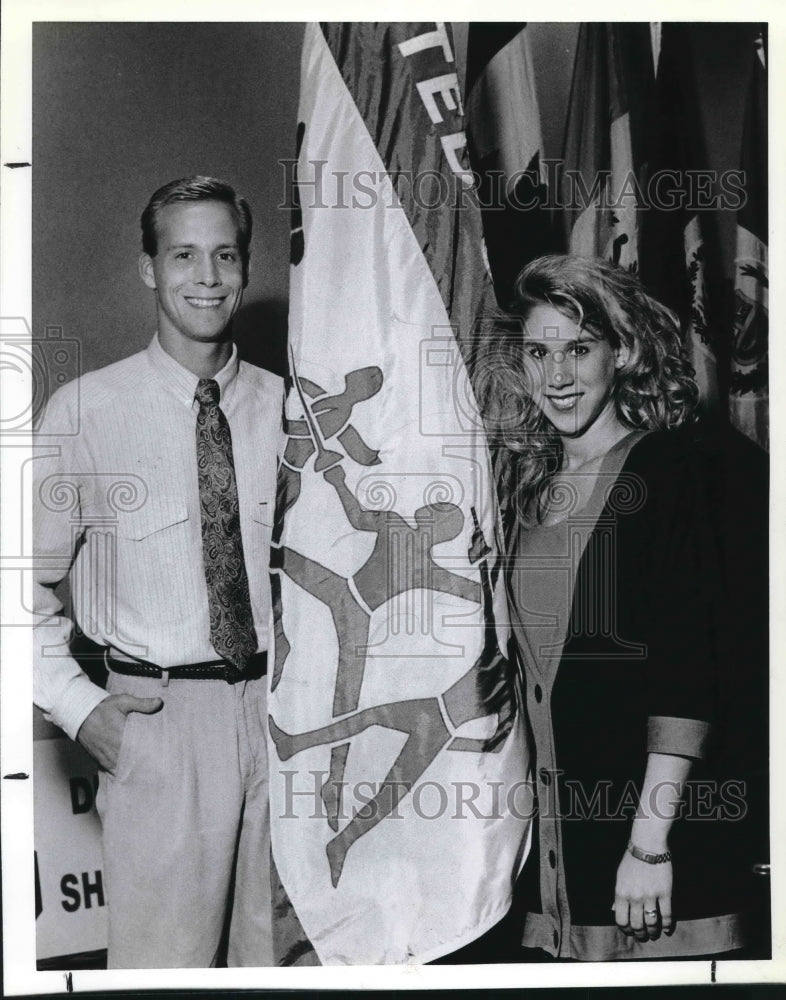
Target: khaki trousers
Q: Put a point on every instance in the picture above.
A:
(186, 827)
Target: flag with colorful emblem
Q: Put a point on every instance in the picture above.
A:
(399, 803)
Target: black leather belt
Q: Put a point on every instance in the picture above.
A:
(209, 670)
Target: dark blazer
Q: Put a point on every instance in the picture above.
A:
(676, 568)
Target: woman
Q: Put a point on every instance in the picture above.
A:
(626, 564)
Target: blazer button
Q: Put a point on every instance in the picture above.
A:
(552, 859)
(538, 693)
(556, 939)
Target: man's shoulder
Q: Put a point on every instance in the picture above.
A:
(97, 389)
(260, 380)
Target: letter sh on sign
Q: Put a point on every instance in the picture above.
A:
(70, 892)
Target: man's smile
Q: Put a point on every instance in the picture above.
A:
(199, 303)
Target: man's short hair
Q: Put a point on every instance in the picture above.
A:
(197, 188)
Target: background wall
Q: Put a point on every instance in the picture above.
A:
(118, 110)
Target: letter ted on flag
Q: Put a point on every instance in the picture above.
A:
(394, 712)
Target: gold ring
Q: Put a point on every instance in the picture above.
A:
(650, 913)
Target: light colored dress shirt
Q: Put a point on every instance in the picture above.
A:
(116, 510)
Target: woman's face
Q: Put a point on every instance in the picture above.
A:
(572, 372)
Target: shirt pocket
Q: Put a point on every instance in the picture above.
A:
(160, 574)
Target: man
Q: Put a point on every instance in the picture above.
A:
(154, 494)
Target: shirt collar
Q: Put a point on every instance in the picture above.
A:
(181, 382)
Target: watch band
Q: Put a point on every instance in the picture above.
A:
(651, 859)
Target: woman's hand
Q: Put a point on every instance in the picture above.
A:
(642, 898)
(642, 895)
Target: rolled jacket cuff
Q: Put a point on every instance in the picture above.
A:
(683, 737)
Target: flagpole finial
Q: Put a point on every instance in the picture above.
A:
(656, 31)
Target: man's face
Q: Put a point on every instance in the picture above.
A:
(197, 272)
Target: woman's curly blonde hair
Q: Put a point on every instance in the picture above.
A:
(654, 389)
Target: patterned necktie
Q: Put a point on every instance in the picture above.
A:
(231, 620)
